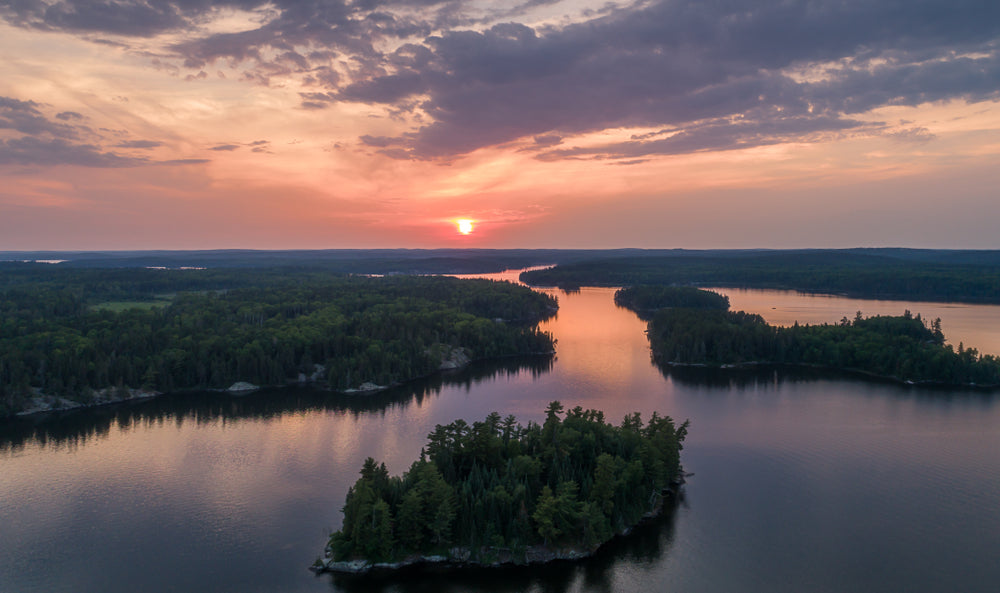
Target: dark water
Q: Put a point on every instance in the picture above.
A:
(802, 481)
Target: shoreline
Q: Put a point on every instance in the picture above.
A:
(459, 558)
(42, 403)
(843, 370)
(860, 295)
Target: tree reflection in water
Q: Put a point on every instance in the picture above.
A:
(646, 545)
(72, 428)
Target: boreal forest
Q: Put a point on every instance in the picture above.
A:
(497, 491)
(86, 331)
(904, 347)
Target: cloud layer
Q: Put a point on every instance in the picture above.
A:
(696, 75)
(30, 137)
(716, 75)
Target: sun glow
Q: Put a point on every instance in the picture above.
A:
(464, 225)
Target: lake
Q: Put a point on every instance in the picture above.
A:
(802, 481)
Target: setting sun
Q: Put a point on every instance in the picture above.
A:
(464, 225)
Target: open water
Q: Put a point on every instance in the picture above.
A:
(802, 481)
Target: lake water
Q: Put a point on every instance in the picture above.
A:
(802, 481)
(976, 326)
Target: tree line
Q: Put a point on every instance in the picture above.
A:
(379, 330)
(495, 488)
(903, 347)
(644, 300)
(852, 273)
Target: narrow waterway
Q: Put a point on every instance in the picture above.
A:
(802, 481)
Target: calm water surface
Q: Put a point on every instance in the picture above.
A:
(802, 482)
(976, 326)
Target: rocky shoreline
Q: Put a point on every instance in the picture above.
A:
(40, 403)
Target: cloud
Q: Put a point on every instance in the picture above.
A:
(128, 17)
(377, 141)
(182, 162)
(225, 147)
(717, 135)
(29, 150)
(716, 75)
(548, 140)
(142, 144)
(26, 117)
(795, 69)
(43, 141)
(918, 134)
(260, 146)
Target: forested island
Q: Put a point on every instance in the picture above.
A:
(893, 274)
(646, 300)
(905, 348)
(90, 336)
(498, 492)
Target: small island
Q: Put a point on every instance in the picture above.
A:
(904, 348)
(497, 492)
(646, 300)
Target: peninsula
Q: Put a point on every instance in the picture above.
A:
(905, 348)
(497, 492)
(80, 337)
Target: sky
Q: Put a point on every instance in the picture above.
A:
(280, 124)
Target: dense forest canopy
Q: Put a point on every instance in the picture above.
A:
(61, 338)
(879, 274)
(645, 299)
(903, 347)
(495, 488)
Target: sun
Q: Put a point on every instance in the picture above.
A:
(464, 225)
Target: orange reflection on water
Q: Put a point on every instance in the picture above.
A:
(598, 342)
(976, 326)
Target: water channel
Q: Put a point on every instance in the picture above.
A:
(803, 481)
